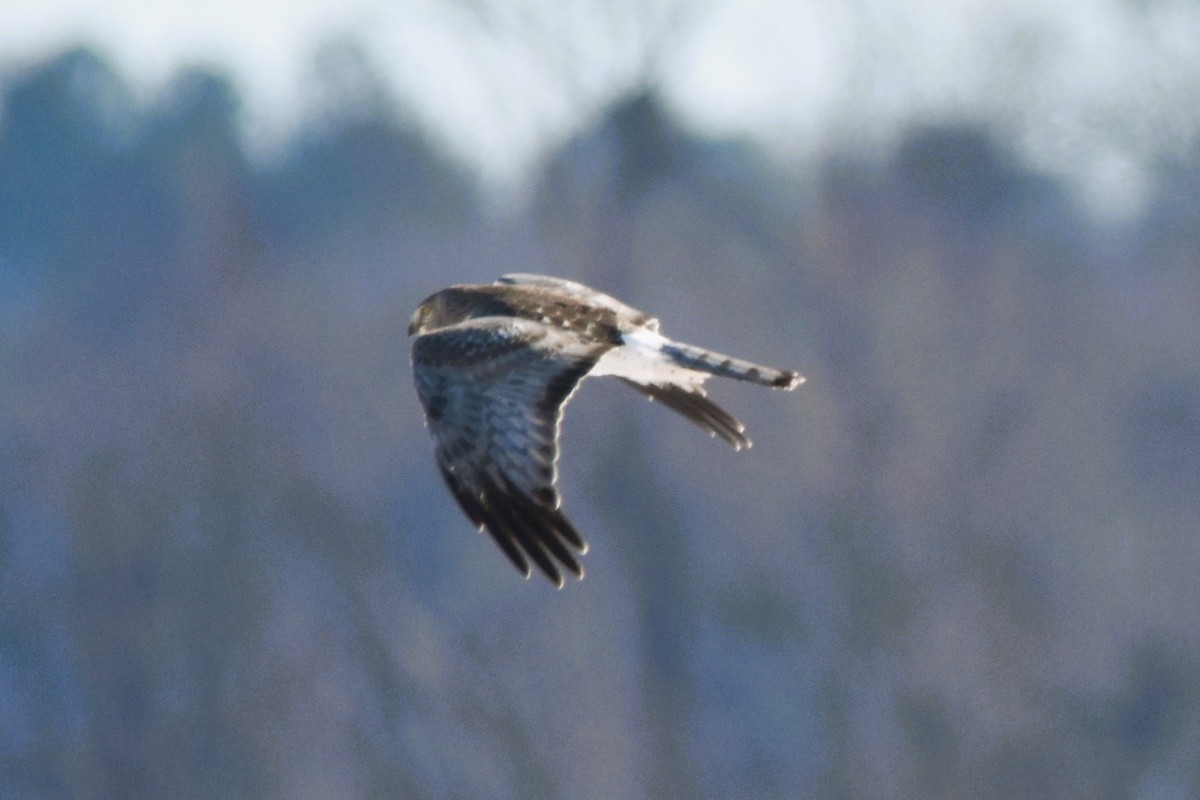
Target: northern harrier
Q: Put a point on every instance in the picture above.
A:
(495, 365)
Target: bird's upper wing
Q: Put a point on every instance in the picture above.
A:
(494, 389)
(582, 294)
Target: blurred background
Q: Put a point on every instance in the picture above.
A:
(960, 561)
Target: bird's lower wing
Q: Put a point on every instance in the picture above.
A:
(493, 391)
(693, 403)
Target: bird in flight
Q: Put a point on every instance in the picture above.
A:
(495, 364)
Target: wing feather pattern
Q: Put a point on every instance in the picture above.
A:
(584, 295)
(693, 403)
(494, 390)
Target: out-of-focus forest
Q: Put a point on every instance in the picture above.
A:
(961, 561)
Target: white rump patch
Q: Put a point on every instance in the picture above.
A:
(641, 359)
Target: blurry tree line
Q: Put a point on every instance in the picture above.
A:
(960, 561)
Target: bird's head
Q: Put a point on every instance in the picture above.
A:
(441, 309)
(419, 322)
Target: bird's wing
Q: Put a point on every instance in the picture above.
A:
(494, 389)
(693, 402)
(582, 294)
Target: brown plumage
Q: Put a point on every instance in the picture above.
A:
(495, 365)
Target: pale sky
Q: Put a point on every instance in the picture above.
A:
(1090, 89)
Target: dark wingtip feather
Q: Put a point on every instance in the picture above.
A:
(694, 404)
(509, 547)
(528, 531)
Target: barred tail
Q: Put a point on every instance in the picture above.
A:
(697, 358)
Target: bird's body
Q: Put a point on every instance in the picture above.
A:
(495, 365)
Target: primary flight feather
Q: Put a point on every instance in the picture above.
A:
(495, 364)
